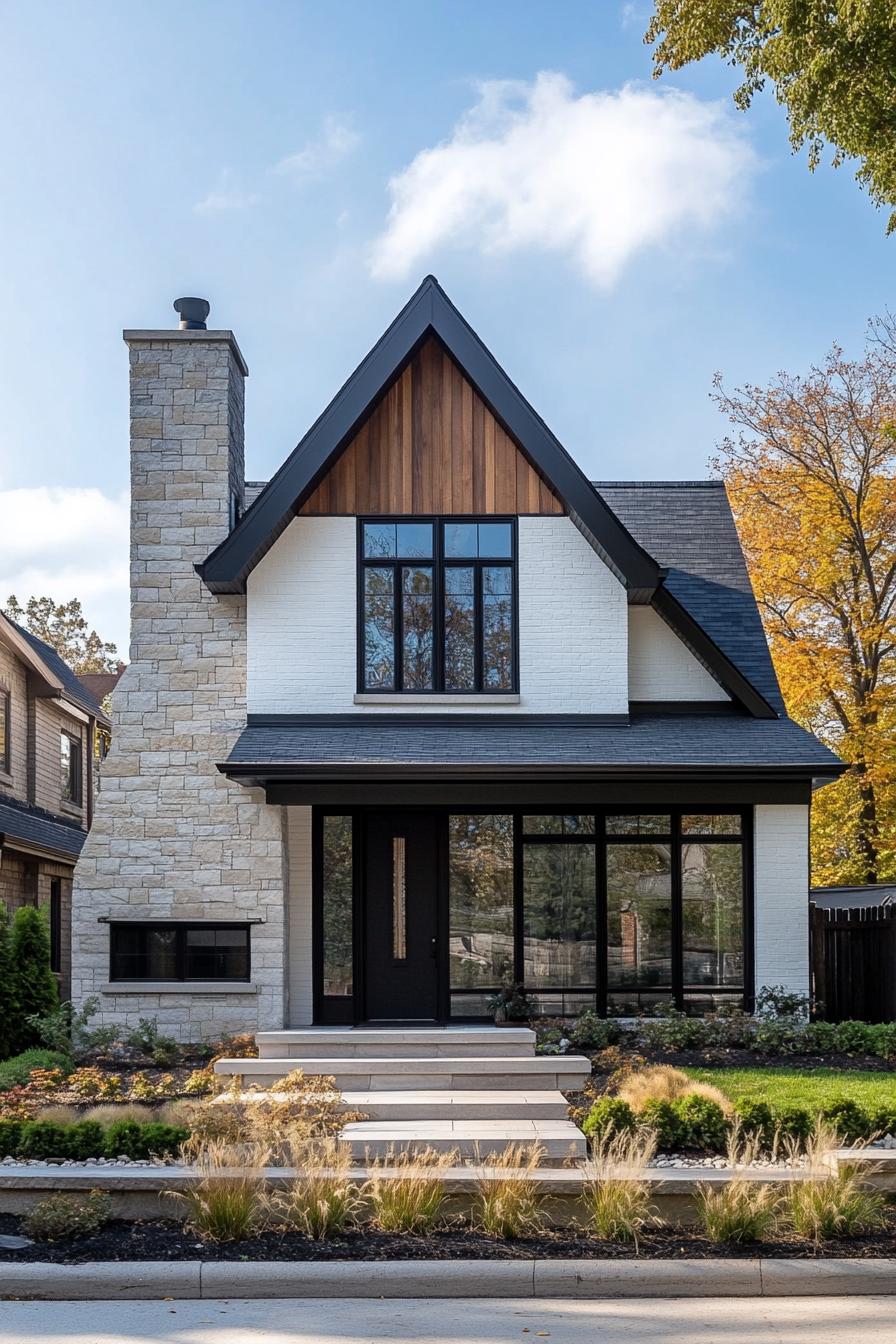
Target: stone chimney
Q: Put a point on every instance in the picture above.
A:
(173, 839)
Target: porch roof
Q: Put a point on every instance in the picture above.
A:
(395, 745)
(33, 831)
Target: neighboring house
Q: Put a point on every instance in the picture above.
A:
(430, 711)
(48, 727)
(853, 898)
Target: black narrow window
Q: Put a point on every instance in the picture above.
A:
(55, 924)
(70, 762)
(5, 727)
(437, 603)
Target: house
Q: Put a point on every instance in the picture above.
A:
(429, 711)
(49, 724)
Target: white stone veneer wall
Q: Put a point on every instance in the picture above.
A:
(781, 888)
(302, 612)
(171, 837)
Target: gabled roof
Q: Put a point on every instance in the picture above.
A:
(54, 671)
(428, 312)
(689, 529)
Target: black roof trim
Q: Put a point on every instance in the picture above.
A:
(32, 828)
(428, 311)
(709, 653)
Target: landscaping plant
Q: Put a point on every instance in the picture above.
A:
(9, 1009)
(740, 1210)
(609, 1115)
(322, 1199)
(507, 1203)
(590, 1032)
(59, 1217)
(17, 1070)
(615, 1190)
(829, 1204)
(411, 1198)
(36, 989)
(227, 1200)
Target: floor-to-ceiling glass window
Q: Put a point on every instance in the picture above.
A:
(712, 929)
(480, 909)
(559, 911)
(640, 963)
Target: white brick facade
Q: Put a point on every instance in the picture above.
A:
(302, 614)
(781, 887)
(172, 838)
(660, 666)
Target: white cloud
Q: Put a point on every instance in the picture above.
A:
(63, 543)
(226, 196)
(596, 177)
(337, 139)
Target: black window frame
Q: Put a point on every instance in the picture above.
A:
(56, 925)
(73, 782)
(439, 563)
(180, 928)
(6, 720)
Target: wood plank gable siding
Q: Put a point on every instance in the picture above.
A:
(431, 445)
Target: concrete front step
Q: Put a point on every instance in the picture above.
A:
(472, 1140)
(437, 1104)
(564, 1073)
(395, 1042)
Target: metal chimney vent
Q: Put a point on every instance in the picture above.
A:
(193, 313)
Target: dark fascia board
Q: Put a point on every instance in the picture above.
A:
(709, 653)
(428, 311)
(259, 775)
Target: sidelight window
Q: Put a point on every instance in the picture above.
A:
(437, 606)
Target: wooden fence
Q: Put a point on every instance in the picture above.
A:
(854, 963)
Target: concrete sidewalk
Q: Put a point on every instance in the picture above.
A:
(835, 1320)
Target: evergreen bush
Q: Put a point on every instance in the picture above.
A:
(36, 990)
(609, 1115)
(9, 1011)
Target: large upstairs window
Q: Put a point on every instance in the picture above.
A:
(437, 606)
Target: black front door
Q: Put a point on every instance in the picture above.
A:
(401, 971)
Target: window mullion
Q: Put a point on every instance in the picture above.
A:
(477, 626)
(398, 626)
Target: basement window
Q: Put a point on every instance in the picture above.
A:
(159, 951)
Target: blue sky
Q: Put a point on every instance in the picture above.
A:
(302, 165)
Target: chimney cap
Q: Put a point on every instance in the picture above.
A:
(193, 313)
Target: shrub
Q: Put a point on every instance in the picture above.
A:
(773, 1001)
(16, 1071)
(778, 1036)
(42, 1139)
(819, 1037)
(200, 1082)
(703, 1123)
(854, 1038)
(9, 1137)
(36, 989)
(793, 1123)
(322, 1199)
(882, 1039)
(9, 1008)
(507, 1203)
(675, 1031)
(411, 1200)
(64, 1027)
(62, 1216)
(139, 1142)
(739, 1211)
(756, 1121)
(729, 1028)
(850, 1121)
(661, 1117)
(590, 1032)
(163, 1050)
(660, 1082)
(882, 1120)
(615, 1192)
(609, 1115)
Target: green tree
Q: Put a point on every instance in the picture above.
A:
(832, 64)
(63, 626)
(9, 1013)
(35, 985)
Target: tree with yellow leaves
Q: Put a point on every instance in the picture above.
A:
(810, 474)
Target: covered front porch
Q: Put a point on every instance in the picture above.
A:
(543, 852)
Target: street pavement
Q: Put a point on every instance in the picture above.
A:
(817, 1320)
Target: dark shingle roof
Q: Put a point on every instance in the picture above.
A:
(579, 743)
(74, 688)
(38, 829)
(688, 528)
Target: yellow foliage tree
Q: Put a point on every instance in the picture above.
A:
(810, 474)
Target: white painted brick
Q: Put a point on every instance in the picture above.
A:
(660, 666)
(781, 885)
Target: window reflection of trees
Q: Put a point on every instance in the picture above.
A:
(480, 864)
(337, 906)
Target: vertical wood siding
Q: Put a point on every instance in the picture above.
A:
(432, 446)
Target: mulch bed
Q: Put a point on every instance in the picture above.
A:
(121, 1240)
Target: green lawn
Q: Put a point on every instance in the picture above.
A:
(801, 1087)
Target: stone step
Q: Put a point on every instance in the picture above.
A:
(437, 1104)
(395, 1042)
(564, 1073)
(472, 1140)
